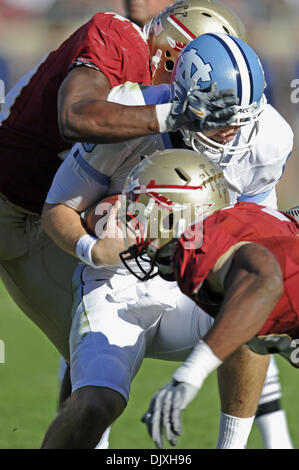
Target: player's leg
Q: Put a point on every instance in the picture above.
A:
(65, 388)
(36, 273)
(84, 418)
(40, 298)
(270, 417)
(178, 331)
(107, 344)
(38, 276)
(104, 441)
(240, 378)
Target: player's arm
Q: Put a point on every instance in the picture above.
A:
(85, 115)
(73, 190)
(252, 287)
(65, 226)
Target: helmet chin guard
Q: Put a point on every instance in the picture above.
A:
(224, 154)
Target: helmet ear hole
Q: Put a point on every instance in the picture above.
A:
(169, 65)
(167, 54)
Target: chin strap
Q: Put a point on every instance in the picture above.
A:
(136, 253)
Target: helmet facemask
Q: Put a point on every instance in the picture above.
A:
(218, 152)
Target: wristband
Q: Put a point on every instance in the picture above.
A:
(83, 249)
(163, 112)
(198, 365)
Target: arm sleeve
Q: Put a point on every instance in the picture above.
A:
(75, 187)
(114, 46)
(99, 50)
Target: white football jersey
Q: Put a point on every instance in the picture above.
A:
(92, 172)
(254, 178)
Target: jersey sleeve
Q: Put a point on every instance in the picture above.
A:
(100, 49)
(108, 44)
(74, 186)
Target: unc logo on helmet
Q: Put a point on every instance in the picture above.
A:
(230, 63)
(191, 65)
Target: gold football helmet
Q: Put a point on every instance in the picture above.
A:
(170, 31)
(167, 192)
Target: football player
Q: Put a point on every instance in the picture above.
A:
(85, 163)
(240, 264)
(69, 104)
(64, 100)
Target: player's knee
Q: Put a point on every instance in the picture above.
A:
(98, 406)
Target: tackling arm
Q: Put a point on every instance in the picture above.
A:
(84, 114)
(253, 285)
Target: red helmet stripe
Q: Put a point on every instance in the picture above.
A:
(181, 27)
(152, 185)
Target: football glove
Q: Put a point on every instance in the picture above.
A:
(165, 411)
(165, 408)
(276, 344)
(198, 111)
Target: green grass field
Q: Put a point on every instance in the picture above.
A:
(29, 387)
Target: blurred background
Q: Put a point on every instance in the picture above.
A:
(29, 380)
(31, 28)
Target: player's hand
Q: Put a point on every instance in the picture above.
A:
(200, 111)
(165, 411)
(111, 239)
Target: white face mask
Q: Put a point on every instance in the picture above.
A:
(218, 152)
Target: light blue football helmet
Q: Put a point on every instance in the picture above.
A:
(231, 63)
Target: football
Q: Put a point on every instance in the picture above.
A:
(95, 218)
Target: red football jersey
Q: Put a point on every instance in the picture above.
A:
(246, 222)
(29, 134)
